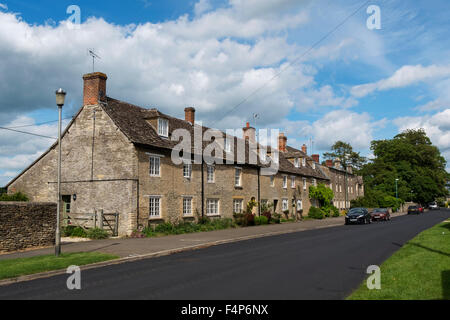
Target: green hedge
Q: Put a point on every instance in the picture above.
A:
(316, 213)
(19, 196)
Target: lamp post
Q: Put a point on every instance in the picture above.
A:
(60, 98)
(396, 188)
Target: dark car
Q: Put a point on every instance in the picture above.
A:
(414, 210)
(358, 215)
(380, 214)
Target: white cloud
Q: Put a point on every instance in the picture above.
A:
(437, 127)
(201, 7)
(3, 6)
(354, 128)
(403, 77)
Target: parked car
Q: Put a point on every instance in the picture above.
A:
(379, 214)
(433, 206)
(414, 210)
(358, 215)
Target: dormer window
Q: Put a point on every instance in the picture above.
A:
(304, 162)
(314, 165)
(297, 162)
(163, 127)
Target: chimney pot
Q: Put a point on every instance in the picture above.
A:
(282, 142)
(190, 115)
(330, 163)
(249, 133)
(94, 89)
(316, 158)
(305, 149)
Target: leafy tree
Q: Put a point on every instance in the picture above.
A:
(411, 158)
(321, 193)
(344, 151)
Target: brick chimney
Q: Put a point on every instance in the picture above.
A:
(189, 114)
(249, 133)
(282, 142)
(330, 163)
(316, 158)
(305, 149)
(94, 88)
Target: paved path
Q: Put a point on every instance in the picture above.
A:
(134, 247)
(315, 264)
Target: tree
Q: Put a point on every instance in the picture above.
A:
(344, 151)
(411, 158)
(321, 193)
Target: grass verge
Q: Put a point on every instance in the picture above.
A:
(420, 270)
(24, 266)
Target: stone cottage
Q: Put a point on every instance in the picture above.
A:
(116, 157)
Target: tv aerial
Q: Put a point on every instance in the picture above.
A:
(94, 56)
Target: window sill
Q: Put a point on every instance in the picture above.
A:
(238, 188)
(213, 215)
(155, 218)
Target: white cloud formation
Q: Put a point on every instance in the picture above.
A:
(437, 127)
(403, 77)
(3, 6)
(202, 6)
(352, 127)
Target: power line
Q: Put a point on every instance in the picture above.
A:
(29, 133)
(36, 124)
(290, 64)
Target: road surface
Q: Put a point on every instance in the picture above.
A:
(316, 264)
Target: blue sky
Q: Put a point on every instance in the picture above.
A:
(357, 85)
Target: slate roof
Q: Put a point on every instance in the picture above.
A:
(133, 122)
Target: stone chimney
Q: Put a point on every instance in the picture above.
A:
(94, 88)
(189, 114)
(316, 158)
(330, 163)
(249, 133)
(350, 169)
(282, 142)
(337, 163)
(305, 149)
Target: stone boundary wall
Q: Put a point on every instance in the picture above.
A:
(26, 225)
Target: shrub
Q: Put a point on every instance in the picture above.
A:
(74, 231)
(335, 212)
(239, 219)
(19, 196)
(276, 218)
(97, 234)
(263, 220)
(268, 215)
(316, 213)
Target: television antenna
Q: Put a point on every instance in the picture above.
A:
(94, 56)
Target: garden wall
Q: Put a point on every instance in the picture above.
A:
(26, 225)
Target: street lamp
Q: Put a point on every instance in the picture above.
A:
(60, 98)
(396, 188)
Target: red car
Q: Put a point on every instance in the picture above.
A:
(381, 214)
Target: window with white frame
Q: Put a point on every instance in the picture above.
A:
(155, 207)
(304, 162)
(285, 204)
(155, 166)
(314, 165)
(212, 207)
(187, 206)
(314, 182)
(272, 181)
(237, 177)
(163, 127)
(340, 188)
(238, 205)
(299, 205)
(187, 170)
(210, 176)
(285, 182)
(293, 182)
(304, 184)
(297, 162)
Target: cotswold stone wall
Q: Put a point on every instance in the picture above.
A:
(26, 225)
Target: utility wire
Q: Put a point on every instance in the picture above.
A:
(290, 64)
(29, 133)
(36, 124)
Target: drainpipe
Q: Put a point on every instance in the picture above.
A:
(203, 189)
(259, 191)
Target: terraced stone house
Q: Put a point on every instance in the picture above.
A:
(116, 157)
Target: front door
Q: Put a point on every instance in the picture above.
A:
(66, 201)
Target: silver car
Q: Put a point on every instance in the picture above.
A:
(433, 206)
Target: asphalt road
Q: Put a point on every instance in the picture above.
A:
(317, 264)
